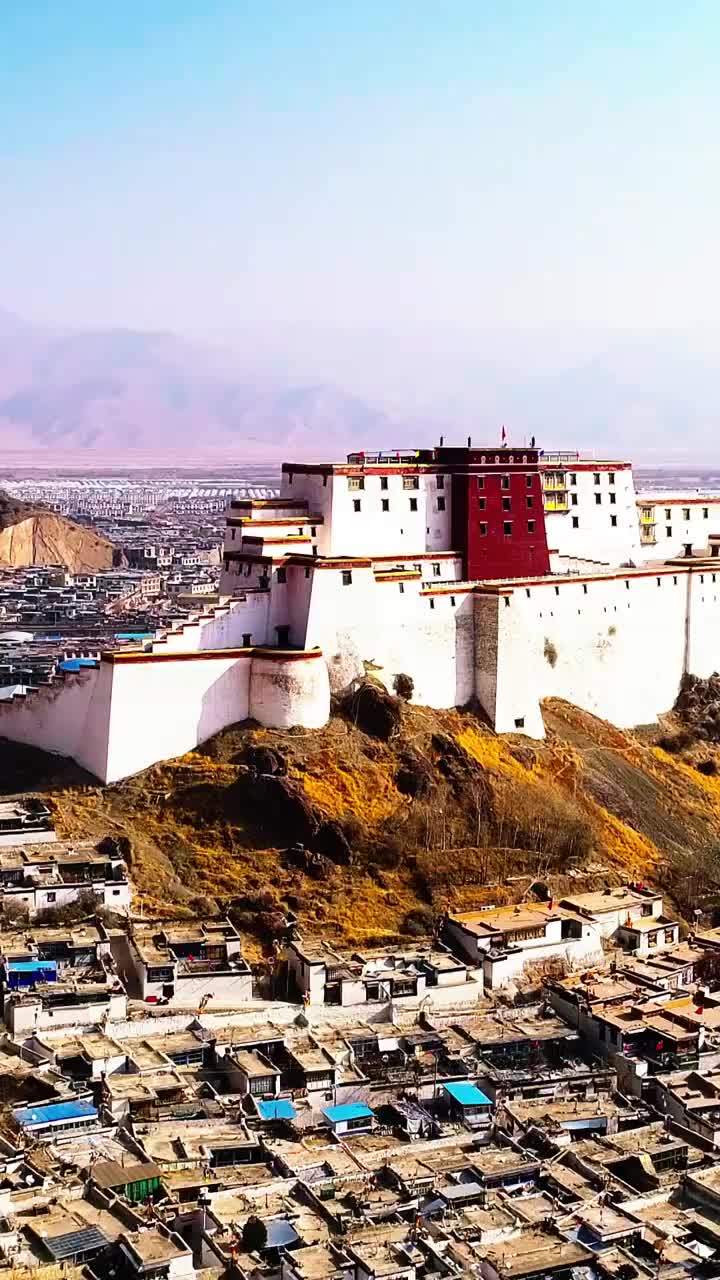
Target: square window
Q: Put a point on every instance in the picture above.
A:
(411, 482)
(346, 577)
(520, 722)
(613, 521)
(356, 482)
(440, 482)
(598, 499)
(613, 499)
(483, 530)
(504, 482)
(356, 504)
(529, 503)
(507, 528)
(441, 504)
(282, 575)
(386, 504)
(413, 504)
(383, 482)
(576, 522)
(506, 504)
(531, 526)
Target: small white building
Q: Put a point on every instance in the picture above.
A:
(506, 940)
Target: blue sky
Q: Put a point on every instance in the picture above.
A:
(330, 182)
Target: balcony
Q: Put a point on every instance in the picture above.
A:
(556, 502)
(647, 515)
(647, 535)
(555, 482)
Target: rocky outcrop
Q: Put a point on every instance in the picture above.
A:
(34, 536)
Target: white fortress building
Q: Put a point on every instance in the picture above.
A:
(493, 577)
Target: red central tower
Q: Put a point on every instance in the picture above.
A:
(498, 512)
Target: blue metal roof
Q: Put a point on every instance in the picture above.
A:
(76, 664)
(468, 1095)
(134, 635)
(76, 1110)
(277, 1109)
(32, 966)
(349, 1111)
(280, 1234)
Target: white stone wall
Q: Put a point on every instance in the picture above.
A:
(616, 646)
(68, 718)
(294, 692)
(586, 531)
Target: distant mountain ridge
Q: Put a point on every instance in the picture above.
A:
(113, 392)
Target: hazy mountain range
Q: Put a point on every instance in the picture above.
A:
(105, 395)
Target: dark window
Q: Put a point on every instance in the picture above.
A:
(232, 535)
(441, 504)
(506, 504)
(356, 504)
(436, 570)
(504, 482)
(576, 522)
(598, 499)
(383, 482)
(346, 577)
(520, 722)
(290, 477)
(529, 503)
(573, 499)
(440, 482)
(613, 499)
(282, 575)
(573, 479)
(313, 531)
(307, 572)
(481, 482)
(528, 482)
(531, 526)
(482, 503)
(507, 528)
(283, 636)
(668, 531)
(402, 588)
(324, 482)
(247, 639)
(411, 482)
(50, 897)
(706, 513)
(452, 602)
(613, 521)
(356, 482)
(432, 604)
(413, 504)
(386, 504)
(483, 530)
(596, 477)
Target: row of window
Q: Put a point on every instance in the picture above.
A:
(385, 504)
(300, 532)
(507, 528)
(648, 513)
(506, 504)
(576, 522)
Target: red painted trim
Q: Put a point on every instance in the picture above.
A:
(679, 502)
(584, 465)
(266, 504)
(454, 589)
(406, 575)
(120, 658)
(238, 522)
(508, 584)
(421, 555)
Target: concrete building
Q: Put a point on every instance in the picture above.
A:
(507, 940)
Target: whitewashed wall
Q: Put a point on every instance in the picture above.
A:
(596, 538)
(678, 521)
(68, 718)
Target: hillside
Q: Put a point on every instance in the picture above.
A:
(441, 813)
(30, 535)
